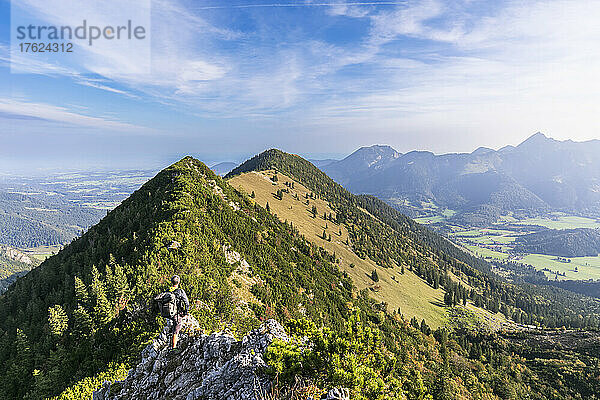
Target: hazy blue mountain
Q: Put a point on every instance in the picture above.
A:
(565, 174)
(361, 164)
(223, 168)
(539, 175)
(323, 163)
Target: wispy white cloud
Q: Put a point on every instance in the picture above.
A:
(98, 84)
(17, 109)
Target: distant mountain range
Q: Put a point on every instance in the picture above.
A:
(323, 163)
(537, 176)
(223, 168)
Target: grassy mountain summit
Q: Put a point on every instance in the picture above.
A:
(81, 317)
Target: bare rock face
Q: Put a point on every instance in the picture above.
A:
(204, 367)
(15, 254)
(338, 394)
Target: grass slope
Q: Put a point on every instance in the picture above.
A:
(384, 235)
(406, 292)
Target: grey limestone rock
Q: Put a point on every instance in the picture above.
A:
(338, 394)
(204, 367)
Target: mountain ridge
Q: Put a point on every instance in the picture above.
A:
(188, 204)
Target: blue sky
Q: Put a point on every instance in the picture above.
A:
(232, 78)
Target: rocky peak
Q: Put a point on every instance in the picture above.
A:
(207, 367)
(535, 141)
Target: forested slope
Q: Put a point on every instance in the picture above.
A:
(563, 243)
(98, 280)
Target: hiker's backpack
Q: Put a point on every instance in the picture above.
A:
(167, 304)
(181, 305)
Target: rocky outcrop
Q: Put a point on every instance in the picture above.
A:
(15, 255)
(207, 367)
(338, 394)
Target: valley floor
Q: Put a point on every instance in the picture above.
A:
(496, 242)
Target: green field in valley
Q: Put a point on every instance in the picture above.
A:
(587, 267)
(434, 219)
(40, 253)
(562, 222)
(497, 243)
(487, 253)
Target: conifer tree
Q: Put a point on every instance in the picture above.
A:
(23, 365)
(425, 328)
(375, 276)
(83, 326)
(414, 322)
(109, 278)
(81, 292)
(118, 287)
(22, 344)
(102, 312)
(57, 320)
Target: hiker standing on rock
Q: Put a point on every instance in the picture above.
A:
(174, 306)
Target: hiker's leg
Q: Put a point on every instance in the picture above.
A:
(177, 323)
(164, 338)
